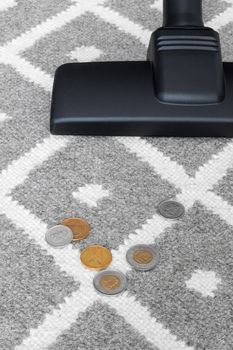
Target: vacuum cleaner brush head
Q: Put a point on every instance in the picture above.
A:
(183, 89)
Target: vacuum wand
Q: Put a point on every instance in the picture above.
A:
(182, 13)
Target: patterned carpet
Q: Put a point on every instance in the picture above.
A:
(47, 300)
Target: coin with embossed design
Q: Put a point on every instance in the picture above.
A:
(110, 282)
(171, 209)
(79, 227)
(59, 236)
(142, 257)
(96, 257)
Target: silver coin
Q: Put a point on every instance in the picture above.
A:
(110, 282)
(142, 257)
(171, 209)
(59, 236)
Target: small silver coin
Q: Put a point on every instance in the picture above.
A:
(171, 209)
(110, 282)
(59, 236)
(142, 257)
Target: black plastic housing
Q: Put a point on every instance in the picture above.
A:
(183, 89)
(187, 66)
(118, 99)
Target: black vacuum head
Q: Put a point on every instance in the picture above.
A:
(183, 89)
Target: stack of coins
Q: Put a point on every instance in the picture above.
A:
(71, 229)
(140, 257)
(79, 227)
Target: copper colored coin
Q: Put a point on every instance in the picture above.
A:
(110, 282)
(96, 257)
(143, 256)
(79, 227)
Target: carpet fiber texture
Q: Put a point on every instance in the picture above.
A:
(47, 299)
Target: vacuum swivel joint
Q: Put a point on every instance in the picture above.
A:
(186, 57)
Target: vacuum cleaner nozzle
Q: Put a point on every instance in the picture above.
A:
(183, 89)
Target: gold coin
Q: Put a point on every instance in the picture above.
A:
(79, 227)
(96, 257)
(110, 282)
(143, 256)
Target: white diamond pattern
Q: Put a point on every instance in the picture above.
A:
(204, 282)
(85, 54)
(91, 194)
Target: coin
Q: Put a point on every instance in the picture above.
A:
(59, 236)
(96, 257)
(171, 209)
(79, 227)
(142, 257)
(110, 282)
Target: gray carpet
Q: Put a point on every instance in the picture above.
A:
(47, 300)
